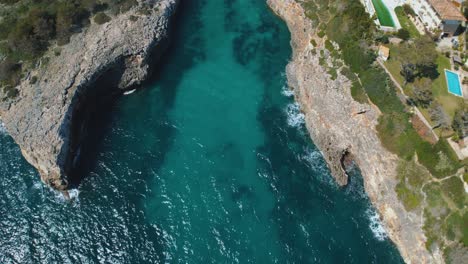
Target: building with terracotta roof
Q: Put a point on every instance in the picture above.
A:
(438, 14)
(384, 52)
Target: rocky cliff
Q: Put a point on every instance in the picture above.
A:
(48, 118)
(340, 126)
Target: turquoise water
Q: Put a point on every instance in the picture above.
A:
(453, 83)
(210, 164)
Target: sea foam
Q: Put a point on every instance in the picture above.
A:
(74, 194)
(314, 159)
(287, 92)
(375, 225)
(295, 117)
(2, 129)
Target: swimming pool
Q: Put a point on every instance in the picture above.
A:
(453, 83)
(383, 14)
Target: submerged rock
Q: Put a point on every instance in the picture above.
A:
(48, 119)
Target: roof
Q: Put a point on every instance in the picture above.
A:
(457, 58)
(385, 51)
(447, 10)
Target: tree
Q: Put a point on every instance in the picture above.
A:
(408, 71)
(422, 93)
(465, 9)
(408, 10)
(439, 116)
(383, 39)
(403, 34)
(418, 59)
(460, 123)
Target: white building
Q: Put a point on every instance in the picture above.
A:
(438, 14)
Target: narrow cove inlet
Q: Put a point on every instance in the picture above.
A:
(209, 163)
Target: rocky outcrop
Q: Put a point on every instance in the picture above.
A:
(48, 118)
(339, 127)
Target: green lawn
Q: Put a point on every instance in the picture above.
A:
(405, 22)
(449, 102)
(383, 14)
(394, 67)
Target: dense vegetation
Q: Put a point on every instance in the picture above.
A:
(29, 27)
(422, 164)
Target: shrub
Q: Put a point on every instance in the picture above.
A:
(33, 80)
(313, 42)
(101, 18)
(10, 91)
(133, 18)
(7, 67)
(383, 39)
(465, 9)
(10, 72)
(8, 2)
(329, 45)
(69, 19)
(453, 188)
(321, 34)
(403, 34)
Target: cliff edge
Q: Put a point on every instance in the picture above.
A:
(48, 117)
(340, 126)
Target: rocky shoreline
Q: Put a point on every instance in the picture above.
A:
(48, 118)
(340, 126)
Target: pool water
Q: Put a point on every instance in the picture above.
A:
(453, 83)
(383, 14)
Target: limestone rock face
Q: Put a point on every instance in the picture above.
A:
(44, 118)
(340, 126)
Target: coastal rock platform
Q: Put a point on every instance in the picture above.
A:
(340, 126)
(49, 116)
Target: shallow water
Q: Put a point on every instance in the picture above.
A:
(210, 164)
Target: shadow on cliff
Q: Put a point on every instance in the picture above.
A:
(91, 121)
(94, 111)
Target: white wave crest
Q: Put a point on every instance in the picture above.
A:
(314, 159)
(375, 225)
(71, 195)
(286, 91)
(74, 194)
(2, 129)
(295, 117)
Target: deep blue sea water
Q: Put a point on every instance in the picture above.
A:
(211, 163)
